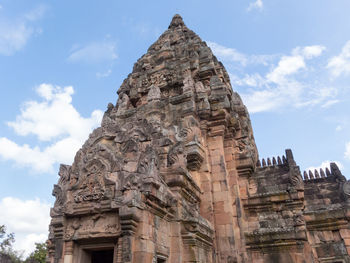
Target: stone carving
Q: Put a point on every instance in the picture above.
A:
(64, 175)
(123, 104)
(60, 198)
(200, 87)
(295, 177)
(336, 172)
(173, 175)
(89, 180)
(148, 162)
(188, 84)
(346, 188)
(130, 145)
(92, 226)
(176, 156)
(154, 93)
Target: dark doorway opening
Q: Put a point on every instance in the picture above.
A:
(102, 256)
(161, 260)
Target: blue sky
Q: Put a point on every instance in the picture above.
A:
(61, 63)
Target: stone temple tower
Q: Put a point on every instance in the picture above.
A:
(172, 175)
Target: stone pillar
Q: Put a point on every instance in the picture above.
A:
(345, 235)
(238, 187)
(57, 241)
(222, 199)
(68, 252)
(129, 218)
(176, 246)
(118, 252)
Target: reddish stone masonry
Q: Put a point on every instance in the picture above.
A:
(172, 175)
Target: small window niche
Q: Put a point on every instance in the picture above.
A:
(161, 259)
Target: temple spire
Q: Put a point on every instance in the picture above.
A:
(176, 22)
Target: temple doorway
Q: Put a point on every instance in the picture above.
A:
(95, 252)
(102, 256)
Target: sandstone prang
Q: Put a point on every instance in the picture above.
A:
(173, 175)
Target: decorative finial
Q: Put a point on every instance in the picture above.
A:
(317, 175)
(335, 169)
(176, 21)
(258, 163)
(290, 158)
(279, 160)
(311, 175)
(268, 162)
(323, 175)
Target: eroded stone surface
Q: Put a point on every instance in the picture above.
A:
(172, 175)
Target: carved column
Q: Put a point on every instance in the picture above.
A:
(68, 252)
(129, 218)
(118, 252)
(222, 199)
(237, 186)
(57, 242)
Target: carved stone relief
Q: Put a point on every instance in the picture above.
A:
(97, 225)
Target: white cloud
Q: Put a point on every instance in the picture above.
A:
(53, 120)
(28, 219)
(53, 116)
(228, 53)
(323, 96)
(338, 128)
(13, 37)
(280, 85)
(340, 64)
(262, 100)
(36, 13)
(324, 165)
(232, 55)
(347, 151)
(25, 155)
(15, 32)
(292, 64)
(286, 66)
(258, 4)
(253, 80)
(97, 52)
(309, 52)
(329, 103)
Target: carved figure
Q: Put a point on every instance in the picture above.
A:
(173, 175)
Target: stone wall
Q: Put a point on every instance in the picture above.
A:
(326, 214)
(172, 175)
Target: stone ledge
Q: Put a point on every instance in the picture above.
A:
(276, 237)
